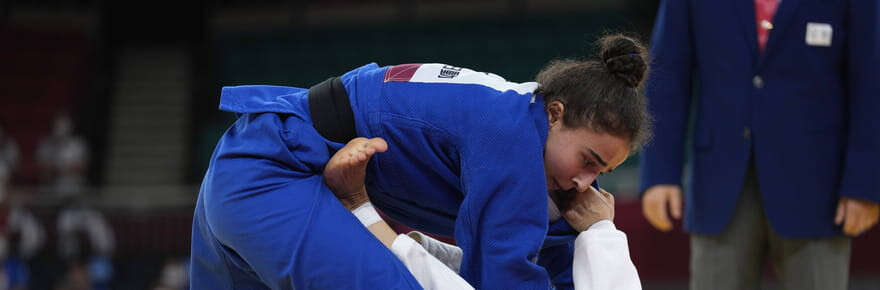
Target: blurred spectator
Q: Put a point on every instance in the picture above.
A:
(63, 158)
(20, 233)
(86, 243)
(21, 236)
(174, 275)
(8, 159)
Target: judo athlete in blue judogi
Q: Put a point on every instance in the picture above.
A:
(470, 155)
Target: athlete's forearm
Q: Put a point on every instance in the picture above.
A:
(383, 232)
(430, 272)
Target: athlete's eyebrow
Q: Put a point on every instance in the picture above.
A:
(598, 158)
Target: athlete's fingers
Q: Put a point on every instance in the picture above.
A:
(610, 197)
(606, 194)
(572, 214)
(610, 200)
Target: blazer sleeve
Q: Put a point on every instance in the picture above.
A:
(860, 175)
(669, 94)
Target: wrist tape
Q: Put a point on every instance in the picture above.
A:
(366, 214)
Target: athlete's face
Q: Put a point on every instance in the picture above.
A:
(574, 157)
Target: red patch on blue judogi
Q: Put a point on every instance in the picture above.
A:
(401, 72)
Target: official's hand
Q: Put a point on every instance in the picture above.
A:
(589, 207)
(856, 215)
(655, 202)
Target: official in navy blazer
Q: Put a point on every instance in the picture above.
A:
(786, 136)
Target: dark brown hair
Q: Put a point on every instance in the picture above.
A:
(603, 94)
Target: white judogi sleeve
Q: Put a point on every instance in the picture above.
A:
(446, 253)
(428, 271)
(601, 259)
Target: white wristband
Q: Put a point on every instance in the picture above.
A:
(367, 214)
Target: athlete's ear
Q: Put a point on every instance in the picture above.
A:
(555, 111)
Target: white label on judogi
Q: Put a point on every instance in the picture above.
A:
(818, 34)
(442, 73)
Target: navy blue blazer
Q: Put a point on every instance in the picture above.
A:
(806, 108)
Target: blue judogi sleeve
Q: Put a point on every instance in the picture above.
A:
(558, 262)
(557, 253)
(502, 221)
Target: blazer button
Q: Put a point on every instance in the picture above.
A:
(747, 133)
(758, 82)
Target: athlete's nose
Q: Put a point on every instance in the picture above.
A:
(583, 180)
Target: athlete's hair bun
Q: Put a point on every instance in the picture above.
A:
(624, 57)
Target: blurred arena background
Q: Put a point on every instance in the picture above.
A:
(111, 107)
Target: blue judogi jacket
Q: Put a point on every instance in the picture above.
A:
(465, 159)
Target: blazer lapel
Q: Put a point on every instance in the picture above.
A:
(781, 21)
(745, 13)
